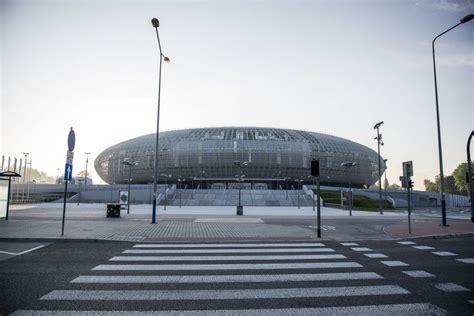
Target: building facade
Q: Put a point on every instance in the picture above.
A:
(269, 158)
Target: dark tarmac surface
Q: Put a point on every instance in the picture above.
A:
(28, 277)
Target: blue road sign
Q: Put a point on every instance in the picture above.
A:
(71, 140)
(67, 172)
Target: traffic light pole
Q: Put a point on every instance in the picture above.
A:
(409, 207)
(319, 209)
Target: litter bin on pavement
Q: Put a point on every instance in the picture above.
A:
(113, 210)
(240, 210)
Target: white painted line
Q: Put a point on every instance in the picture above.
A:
(23, 252)
(361, 249)
(466, 260)
(163, 295)
(471, 301)
(375, 255)
(423, 247)
(224, 258)
(444, 253)
(277, 250)
(369, 310)
(30, 250)
(349, 244)
(240, 266)
(259, 245)
(406, 243)
(450, 287)
(394, 263)
(419, 274)
(229, 220)
(132, 279)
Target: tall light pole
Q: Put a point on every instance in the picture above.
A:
(87, 164)
(385, 183)
(130, 164)
(349, 165)
(465, 19)
(379, 142)
(240, 176)
(24, 177)
(156, 24)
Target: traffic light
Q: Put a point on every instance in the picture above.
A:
(315, 168)
(410, 183)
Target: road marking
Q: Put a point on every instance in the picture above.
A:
(394, 263)
(450, 287)
(229, 220)
(228, 245)
(423, 247)
(224, 258)
(23, 252)
(163, 295)
(361, 249)
(375, 255)
(328, 227)
(419, 274)
(227, 278)
(349, 244)
(466, 260)
(369, 310)
(176, 251)
(444, 253)
(240, 266)
(471, 301)
(406, 243)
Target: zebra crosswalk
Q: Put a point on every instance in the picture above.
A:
(230, 279)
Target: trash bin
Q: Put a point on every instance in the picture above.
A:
(240, 210)
(113, 210)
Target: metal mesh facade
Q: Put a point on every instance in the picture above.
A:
(207, 155)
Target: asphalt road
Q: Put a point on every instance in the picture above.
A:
(283, 278)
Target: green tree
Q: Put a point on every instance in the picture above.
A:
(431, 186)
(459, 175)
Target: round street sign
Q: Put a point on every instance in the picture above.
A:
(71, 140)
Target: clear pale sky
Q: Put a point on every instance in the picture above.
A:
(336, 67)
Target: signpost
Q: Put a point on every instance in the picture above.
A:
(315, 174)
(71, 143)
(408, 184)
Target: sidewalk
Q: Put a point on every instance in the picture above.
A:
(88, 221)
(430, 228)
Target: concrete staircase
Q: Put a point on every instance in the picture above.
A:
(230, 197)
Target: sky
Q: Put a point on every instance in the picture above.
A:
(336, 67)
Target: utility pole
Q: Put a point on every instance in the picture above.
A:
(379, 142)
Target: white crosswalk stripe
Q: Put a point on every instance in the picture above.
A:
(228, 278)
(366, 310)
(259, 245)
(182, 274)
(224, 258)
(180, 251)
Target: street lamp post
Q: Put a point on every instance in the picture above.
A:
(348, 165)
(156, 24)
(465, 19)
(179, 190)
(379, 142)
(24, 177)
(385, 184)
(87, 164)
(240, 176)
(130, 164)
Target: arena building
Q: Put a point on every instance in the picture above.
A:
(270, 158)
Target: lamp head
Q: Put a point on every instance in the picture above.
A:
(378, 125)
(166, 59)
(467, 18)
(155, 22)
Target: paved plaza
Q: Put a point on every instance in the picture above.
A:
(88, 221)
